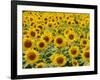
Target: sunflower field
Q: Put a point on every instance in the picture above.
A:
(55, 39)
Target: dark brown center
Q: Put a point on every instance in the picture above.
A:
(83, 25)
(28, 44)
(75, 63)
(66, 32)
(46, 38)
(31, 19)
(33, 34)
(32, 24)
(87, 54)
(60, 60)
(50, 25)
(32, 56)
(73, 51)
(69, 22)
(45, 19)
(84, 42)
(41, 44)
(71, 36)
(40, 27)
(37, 30)
(38, 36)
(59, 40)
(40, 66)
(60, 17)
(81, 36)
(25, 32)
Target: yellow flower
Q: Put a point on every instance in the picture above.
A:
(74, 51)
(72, 36)
(82, 24)
(58, 60)
(53, 19)
(84, 42)
(86, 55)
(31, 56)
(47, 37)
(27, 35)
(32, 19)
(28, 43)
(33, 25)
(25, 32)
(33, 33)
(82, 35)
(59, 41)
(75, 62)
(25, 16)
(86, 18)
(38, 30)
(38, 36)
(41, 44)
(40, 26)
(67, 31)
(70, 21)
(85, 48)
(40, 65)
(50, 25)
(60, 16)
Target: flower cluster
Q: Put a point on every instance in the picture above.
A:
(55, 39)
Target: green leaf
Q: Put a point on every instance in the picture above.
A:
(86, 30)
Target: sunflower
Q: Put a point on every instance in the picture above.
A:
(86, 18)
(38, 30)
(84, 42)
(58, 59)
(82, 24)
(38, 36)
(40, 65)
(86, 55)
(27, 35)
(50, 25)
(31, 56)
(41, 44)
(74, 51)
(28, 43)
(45, 17)
(33, 33)
(33, 25)
(72, 36)
(86, 48)
(82, 35)
(59, 41)
(40, 26)
(25, 32)
(75, 62)
(25, 16)
(60, 16)
(53, 19)
(66, 31)
(32, 19)
(47, 37)
(70, 21)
